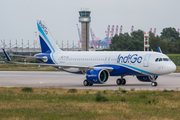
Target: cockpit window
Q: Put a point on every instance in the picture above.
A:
(165, 59)
(156, 59)
(162, 59)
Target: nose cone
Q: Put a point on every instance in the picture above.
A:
(171, 67)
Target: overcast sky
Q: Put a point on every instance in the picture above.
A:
(18, 17)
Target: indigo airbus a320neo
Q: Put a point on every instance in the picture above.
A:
(99, 66)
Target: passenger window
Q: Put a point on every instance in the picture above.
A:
(156, 59)
(160, 59)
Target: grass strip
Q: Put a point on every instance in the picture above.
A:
(58, 103)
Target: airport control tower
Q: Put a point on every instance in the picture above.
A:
(85, 19)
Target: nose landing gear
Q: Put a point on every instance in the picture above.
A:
(154, 84)
(153, 79)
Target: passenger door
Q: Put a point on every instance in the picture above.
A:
(146, 60)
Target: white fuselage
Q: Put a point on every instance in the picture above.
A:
(137, 61)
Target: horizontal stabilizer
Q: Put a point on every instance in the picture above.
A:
(30, 57)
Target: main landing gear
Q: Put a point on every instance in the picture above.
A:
(121, 81)
(87, 83)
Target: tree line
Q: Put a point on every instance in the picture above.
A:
(169, 41)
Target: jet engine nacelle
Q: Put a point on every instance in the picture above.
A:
(151, 78)
(97, 76)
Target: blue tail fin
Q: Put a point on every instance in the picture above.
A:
(159, 49)
(47, 42)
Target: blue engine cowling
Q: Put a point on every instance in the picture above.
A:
(97, 76)
(151, 78)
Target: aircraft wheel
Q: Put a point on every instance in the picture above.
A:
(154, 84)
(123, 81)
(86, 83)
(90, 84)
(119, 81)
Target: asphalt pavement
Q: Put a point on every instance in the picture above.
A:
(68, 80)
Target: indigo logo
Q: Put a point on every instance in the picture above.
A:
(129, 59)
(43, 27)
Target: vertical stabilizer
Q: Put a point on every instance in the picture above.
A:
(159, 49)
(47, 42)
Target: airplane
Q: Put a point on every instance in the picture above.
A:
(98, 66)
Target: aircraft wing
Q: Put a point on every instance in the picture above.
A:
(57, 65)
(68, 66)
